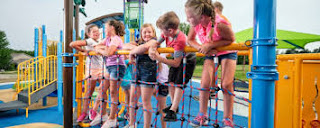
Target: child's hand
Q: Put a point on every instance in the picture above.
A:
(153, 53)
(204, 49)
(211, 52)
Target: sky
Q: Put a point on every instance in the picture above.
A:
(19, 18)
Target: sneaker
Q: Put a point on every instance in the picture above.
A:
(110, 123)
(128, 126)
(165, 110)
(92, 114)
(200, 120)
(171, 116)
(227, 123)
(97, 119)
(82, 117)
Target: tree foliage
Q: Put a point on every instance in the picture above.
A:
(5, 52)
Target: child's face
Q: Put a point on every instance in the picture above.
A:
(147, 33)
(94, 33)
(108, 29)
(192, 18)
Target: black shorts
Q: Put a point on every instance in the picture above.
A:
(176, 74)
(163, 90)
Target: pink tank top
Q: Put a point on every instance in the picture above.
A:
(202, 33)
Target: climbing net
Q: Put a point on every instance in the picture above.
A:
(187, 113)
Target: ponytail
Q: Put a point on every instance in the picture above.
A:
(118, 27)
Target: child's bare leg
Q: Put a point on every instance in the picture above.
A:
(134, 97)
(177, 98)
(171, 92)
(146, 94)
(162, 105)
(228, 70)
(206, 81)
(88, 94)
(114, 92)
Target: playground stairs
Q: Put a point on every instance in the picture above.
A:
(22, 101)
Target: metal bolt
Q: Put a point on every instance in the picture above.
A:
(286, 77)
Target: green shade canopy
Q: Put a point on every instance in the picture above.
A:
(286, 39)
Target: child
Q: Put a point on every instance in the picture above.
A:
(93, 64)
(125, 85)
(162, 90)
(115, 68)
(146, 71)
(168, 24)
(213, 32)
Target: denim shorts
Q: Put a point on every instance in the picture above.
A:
(232, 56)
(112, 70)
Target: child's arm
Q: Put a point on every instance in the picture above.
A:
(77, 45)
(141, 49)
(192, 39)
(129, 46)
(108, 51)
(227, 38)
(171, 62)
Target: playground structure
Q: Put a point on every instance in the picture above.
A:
(293, 96)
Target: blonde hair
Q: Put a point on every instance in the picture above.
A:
(168, 20)
(145, 26)
(203, 7)
(218, 5)
(118, 27)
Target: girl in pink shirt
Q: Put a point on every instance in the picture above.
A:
(115, 68)
(213, 32)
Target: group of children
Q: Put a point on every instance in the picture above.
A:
(152, 69)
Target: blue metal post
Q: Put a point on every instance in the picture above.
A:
(60, 78)
(140, 23)
(127, 35)
(44, 54)
(74, 71)
(103, 31)
(263, 69)
(82, 34)
(36, 42)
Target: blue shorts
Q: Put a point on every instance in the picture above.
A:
(112, 70)
(143, 85)
(232, 56)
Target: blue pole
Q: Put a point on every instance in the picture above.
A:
(36, 42)
(44, 54)
(263, 69)
(74, 71)
(140, 23)
(127, 35)
(103, 31)
(44, 40)
(82, 34)
(60, 78)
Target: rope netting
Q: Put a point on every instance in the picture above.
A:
(189, 90)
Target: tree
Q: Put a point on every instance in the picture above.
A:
(184, 28)
(5, 52)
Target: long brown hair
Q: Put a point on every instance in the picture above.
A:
(118, 27)
(203, 7)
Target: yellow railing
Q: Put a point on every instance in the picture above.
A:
(23, 68)
(43, 74)
(35, 74)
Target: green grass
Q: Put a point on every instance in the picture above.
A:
(240, 74)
